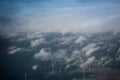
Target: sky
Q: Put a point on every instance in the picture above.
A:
(59, 15)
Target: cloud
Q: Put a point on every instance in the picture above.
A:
(12, 47)
(88, 47)
(10, 35)
(90, 51)
(107, 62)
(37, 42)
(43, 55)
(88, 62)
(63, 16)
(35, 67)
(76, 54)
(68, 60)
(61, 54)
(80, 39)
(104, 58)
(66, 40)
(67, 66)
(32, 35)
(13, 51)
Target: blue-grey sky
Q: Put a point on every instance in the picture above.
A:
(59, 15)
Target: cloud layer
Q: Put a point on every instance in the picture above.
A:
(64, 15)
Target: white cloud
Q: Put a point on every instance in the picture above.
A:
(104, 58)
(35, 67)
(21, 39)
(43, 55)
(80, 39)
(75, 52)
(66, 40)
(89, 46)
(68, 60)
(13, 51)
(67, 66)
(12, 47)
(61, 53)
(90, 51)
(37, 42)
(88, 62)
(107, 62)
(102, 61)
(32, 35)
(74, 55)
(11, 35)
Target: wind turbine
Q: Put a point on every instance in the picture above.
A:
(53, 62)
(60, 69)
(83, 73)
(89, 68)
(83, 70)
(26, 76)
